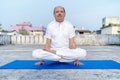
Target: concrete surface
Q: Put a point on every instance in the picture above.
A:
(9, 53)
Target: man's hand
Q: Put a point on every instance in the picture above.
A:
(48, 50)
(72, 43)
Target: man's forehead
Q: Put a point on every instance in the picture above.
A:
(59, 8)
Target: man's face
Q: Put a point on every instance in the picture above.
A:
(59, 14)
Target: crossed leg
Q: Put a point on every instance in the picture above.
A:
(44, 55)
(61, 56)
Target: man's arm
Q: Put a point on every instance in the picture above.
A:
(72, 43)
(48, 46)
(73, 46)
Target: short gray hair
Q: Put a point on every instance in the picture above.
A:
(60, 7)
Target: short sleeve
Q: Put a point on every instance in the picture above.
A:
(48, 33)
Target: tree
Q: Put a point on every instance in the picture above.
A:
(23, 31)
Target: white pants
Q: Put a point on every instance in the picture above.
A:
(62, 55)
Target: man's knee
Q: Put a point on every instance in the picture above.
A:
(35, 53)
(81, 53)
(84, 52)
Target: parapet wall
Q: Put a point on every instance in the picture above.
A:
(97, 39)
(90, 39)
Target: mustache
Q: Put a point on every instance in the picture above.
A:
(59, 15)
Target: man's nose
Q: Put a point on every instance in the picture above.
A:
(59, 13)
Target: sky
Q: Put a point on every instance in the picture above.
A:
(81, 13)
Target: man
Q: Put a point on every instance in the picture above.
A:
(60, 45)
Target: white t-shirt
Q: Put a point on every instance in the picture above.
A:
(60, 33)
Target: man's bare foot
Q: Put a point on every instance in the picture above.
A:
(39, 63)
(76, 62)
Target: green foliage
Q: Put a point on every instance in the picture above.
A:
(23, 31)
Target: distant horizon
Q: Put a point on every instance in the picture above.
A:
(87, 14)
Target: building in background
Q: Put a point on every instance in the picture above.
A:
(26, 28)
(96, 32)
(81, 30)
(5, 32)
(110, 25)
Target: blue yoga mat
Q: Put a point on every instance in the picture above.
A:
(88, 64)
